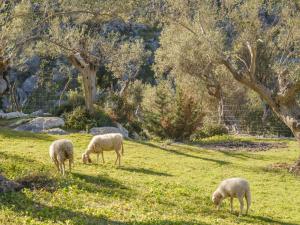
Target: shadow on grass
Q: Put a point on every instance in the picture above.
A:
(243, 156)
(145, 171)
(16, 158)
(8, 133)
(176, 152)
(101, 184)
(265, 220)
(24, 206)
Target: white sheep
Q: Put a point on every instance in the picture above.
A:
(233, 188)
(60, 151)
(105, 142)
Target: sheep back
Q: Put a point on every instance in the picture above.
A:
(106, 142)
(62, 149)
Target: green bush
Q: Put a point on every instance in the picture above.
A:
(209, 130)
(80, 119)
(173, 113)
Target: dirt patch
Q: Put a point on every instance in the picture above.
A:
(245, 146)
(7, 185)
(38, 182)
(283, 166)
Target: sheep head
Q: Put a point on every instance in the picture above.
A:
(86, 158)
(217, 198)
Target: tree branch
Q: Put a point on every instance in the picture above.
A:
(288, 92)
(253, 55)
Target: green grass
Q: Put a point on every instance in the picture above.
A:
(156, 184)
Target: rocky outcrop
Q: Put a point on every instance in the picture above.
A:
(107, 130)
(41, 124)
(123, 130)
(56, 131)
(12, 115)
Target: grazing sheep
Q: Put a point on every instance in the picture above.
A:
(233, 188)
(60, 151)
(106, 142)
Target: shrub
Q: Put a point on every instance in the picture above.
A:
(172, 112)
(80, 119)
(209, 130)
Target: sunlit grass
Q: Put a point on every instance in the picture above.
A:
(156, 184)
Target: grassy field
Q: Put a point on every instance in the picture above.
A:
(156, 184)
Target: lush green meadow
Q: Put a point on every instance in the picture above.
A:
(156, 184)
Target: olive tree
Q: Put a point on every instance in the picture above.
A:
(69, 28)
(258, 42)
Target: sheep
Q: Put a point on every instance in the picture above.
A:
(60, 151)
(105, 142)
(233, 188)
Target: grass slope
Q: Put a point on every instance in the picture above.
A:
(155, 185)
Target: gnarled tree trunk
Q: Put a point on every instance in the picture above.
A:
(283, 102)
(88, 72)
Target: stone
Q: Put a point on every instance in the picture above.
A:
(37, 113)
(41, 123)
(12, 115)
(30, 84)
(123, 130)
(106, 130)
(135, 136)
(57, 131)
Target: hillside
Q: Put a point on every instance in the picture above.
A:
(158, 183)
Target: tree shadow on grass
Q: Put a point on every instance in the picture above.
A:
(24, 206)
(8, 133)
(101, 184)
(265, 220)
(165, 222)
(241, 155)
(145, 171)
(16, 158)
(174, 151)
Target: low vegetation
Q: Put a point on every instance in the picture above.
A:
(158, 183)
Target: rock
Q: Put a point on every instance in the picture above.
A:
(106, 130)
(58, 131)
(8, 185)
(82, 132)
(5, 103)
(123, 130)
(12, 115)
(19, 122)
(33, 64)
(37, 113)
(135, 136)
(41, 123)
(22, 96)
(30, 84)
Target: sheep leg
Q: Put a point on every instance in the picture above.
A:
(248, 199)
(63, 168)
(56, 164)
(118, 158)
(231, 204)
(70, 165)
(102, 157)
(241, 200)
(97, 158)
